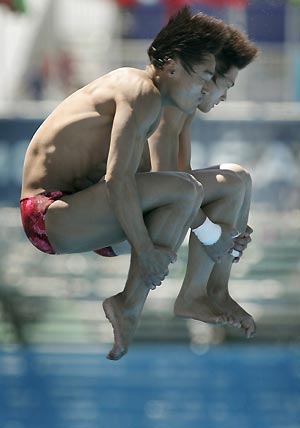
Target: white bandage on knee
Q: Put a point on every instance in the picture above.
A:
(208, 233)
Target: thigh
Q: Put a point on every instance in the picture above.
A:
(85, 220)
(217, 183)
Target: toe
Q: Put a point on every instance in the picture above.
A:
(116, 353)
(222, 320)
(230, 320)
(249, 327)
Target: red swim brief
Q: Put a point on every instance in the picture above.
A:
(33, 211)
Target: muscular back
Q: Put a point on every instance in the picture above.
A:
(70, 149)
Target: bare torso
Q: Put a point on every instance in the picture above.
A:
(69, 151)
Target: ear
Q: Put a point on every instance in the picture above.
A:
(171, 67)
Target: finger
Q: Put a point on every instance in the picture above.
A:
(154, 279)
(173, 257)
(236, 260)
(239, 247)
(156, 282)
(241, 239)
(162, 276)
(247, 239)
(240, 255)
(249, 230)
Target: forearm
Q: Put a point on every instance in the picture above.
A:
(125, 202)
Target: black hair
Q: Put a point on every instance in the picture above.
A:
(238, 51)
(190, 38)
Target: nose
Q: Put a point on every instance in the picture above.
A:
(204, 90)
(224, 96)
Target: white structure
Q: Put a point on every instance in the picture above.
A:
(86, 29)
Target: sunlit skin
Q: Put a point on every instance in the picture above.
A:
(227, 188)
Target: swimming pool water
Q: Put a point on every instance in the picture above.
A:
(154, 386)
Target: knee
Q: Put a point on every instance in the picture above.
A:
(190, 189)
(242, 173)
(233, 189)
(245, 176)
(196, 188)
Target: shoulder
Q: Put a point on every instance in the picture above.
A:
(125, 84)
(137, 85)
(136, 90)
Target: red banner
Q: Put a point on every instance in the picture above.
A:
(173, 5)
(127, 3)
(224, 3)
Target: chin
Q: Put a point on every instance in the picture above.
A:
(204, 109)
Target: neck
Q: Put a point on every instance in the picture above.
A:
(155, 74)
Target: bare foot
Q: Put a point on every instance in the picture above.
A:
(123, 325)
(236, 315)
(199, 309)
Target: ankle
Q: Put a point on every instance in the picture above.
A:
(217, 293)
(129, 305)
(189, 295)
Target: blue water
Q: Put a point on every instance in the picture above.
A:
(152, 387)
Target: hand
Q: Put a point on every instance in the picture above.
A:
(154, 265)
(224, 244)
(241, 243)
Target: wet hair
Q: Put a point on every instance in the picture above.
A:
(190, 38)
(238, 51)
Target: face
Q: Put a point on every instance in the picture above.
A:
(184, 90)
(216, 89)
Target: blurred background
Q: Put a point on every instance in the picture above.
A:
(53, 333)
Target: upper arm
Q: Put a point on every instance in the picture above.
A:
(127, 140)
(163, 144)
(184, 146)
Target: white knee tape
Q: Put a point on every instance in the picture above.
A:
(208, 233)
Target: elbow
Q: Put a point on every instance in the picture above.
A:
(113, 183)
